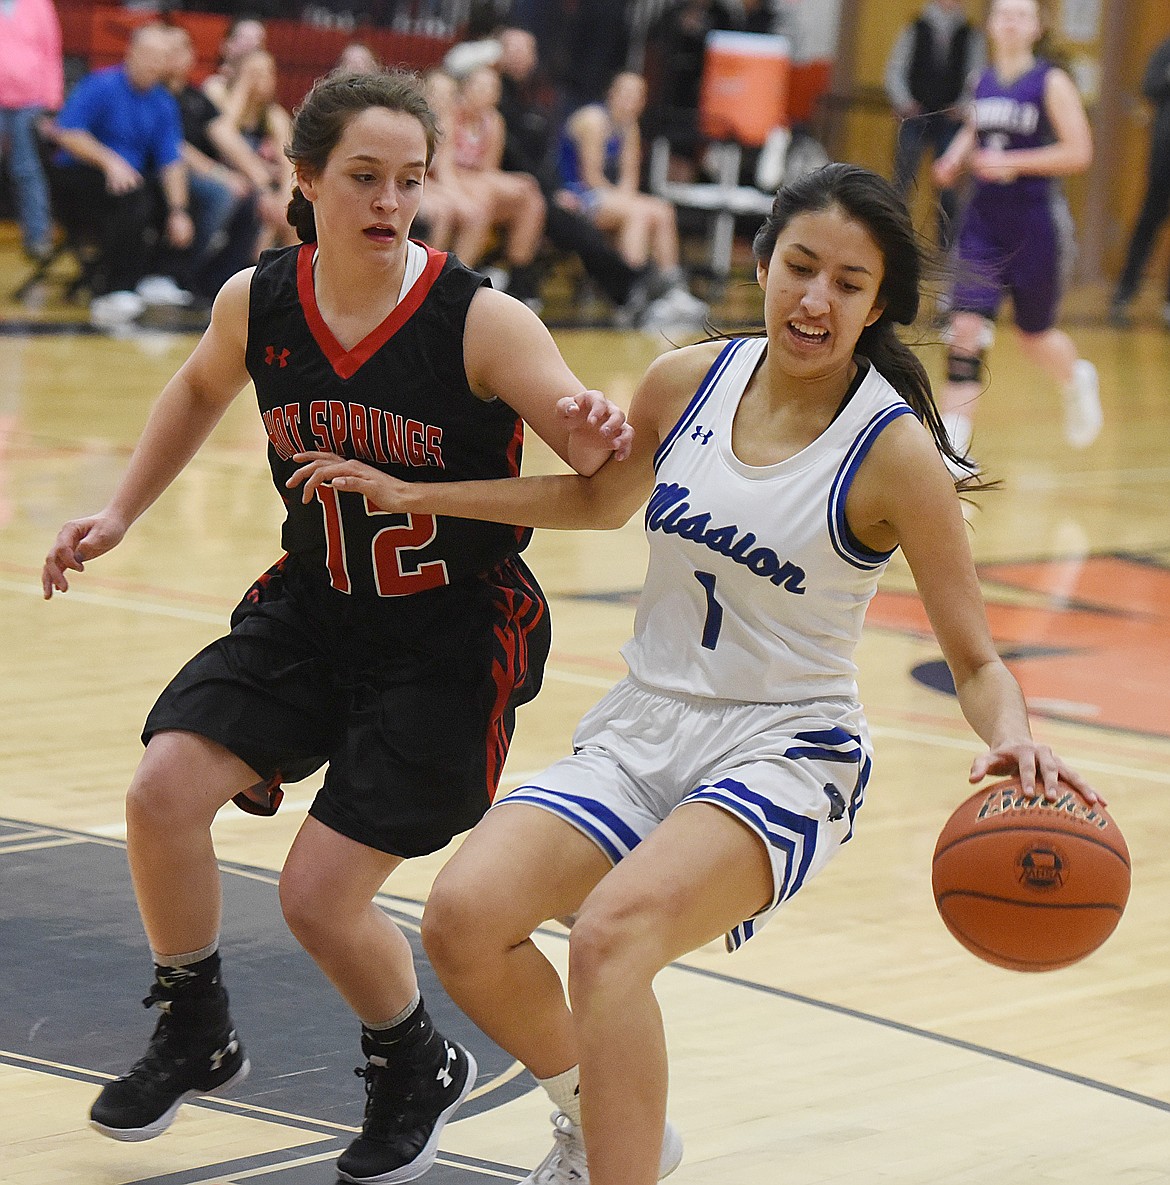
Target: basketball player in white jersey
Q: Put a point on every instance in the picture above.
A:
(706, 788)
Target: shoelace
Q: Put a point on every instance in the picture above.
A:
(384, 1109)
(157, 1064)
(566, 1162)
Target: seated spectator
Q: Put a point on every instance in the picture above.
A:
(31, 83)
(222, 198)
(250, 107)
(120, 134)
(601, 167)
(245, 35)
(528, 148)
(516, 207)
(455, 219)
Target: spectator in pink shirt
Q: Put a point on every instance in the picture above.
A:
(31, 83)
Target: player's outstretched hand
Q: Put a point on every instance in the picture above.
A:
(79, 540)
(593, 419)
(1039, 769)
(328, 469)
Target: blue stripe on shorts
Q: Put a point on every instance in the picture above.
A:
(609, 831)
(784, 829)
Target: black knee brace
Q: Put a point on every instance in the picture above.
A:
(963, 367)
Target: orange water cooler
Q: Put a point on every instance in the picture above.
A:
(744, 90)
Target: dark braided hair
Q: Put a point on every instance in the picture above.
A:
(871, 200)
(322, 116)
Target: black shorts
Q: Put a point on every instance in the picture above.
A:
(410, 701)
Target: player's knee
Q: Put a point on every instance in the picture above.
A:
(162, 798)
(612, 945)
(304, 907)
(455, 933)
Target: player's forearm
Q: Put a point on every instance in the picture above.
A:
(87, 148)
(1054, 160)
(173, 180)
(556, 502)
(586, 457)
(993, 704)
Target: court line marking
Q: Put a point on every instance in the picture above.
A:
(938, 1038)
(118, 830)
(679, 965)
(36, 845)
(302, 1123)
(1160, 777)
(108, 602)
(98, 1078)
(284, 1165)
(290, 806)
(66, 839)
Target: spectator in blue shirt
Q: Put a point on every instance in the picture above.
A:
(121, 137)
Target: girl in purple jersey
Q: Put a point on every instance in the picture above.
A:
(1026, 126)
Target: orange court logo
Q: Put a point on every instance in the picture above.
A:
(1088, 639)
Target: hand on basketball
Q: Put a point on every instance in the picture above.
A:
(79, 540)
(328, 469)
(1040, 771)
(591, 413)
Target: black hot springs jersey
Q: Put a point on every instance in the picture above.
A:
(400, 401)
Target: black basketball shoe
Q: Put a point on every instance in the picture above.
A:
(406, 1110)
(194, 1051)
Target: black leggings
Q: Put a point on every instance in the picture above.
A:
(116, 222)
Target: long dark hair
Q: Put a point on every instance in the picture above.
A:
(908, 261)
(321, 118)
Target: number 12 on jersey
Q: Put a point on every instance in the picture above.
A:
(714, 622)
(396, 572)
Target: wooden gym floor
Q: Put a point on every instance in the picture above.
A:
(852, 1042)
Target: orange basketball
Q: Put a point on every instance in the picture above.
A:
(1029, 884)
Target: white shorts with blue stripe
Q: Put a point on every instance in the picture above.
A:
(794, 773)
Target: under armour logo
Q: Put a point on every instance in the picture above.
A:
(444, 1074)
(221, 1055)
(701, 436)
(271, 356)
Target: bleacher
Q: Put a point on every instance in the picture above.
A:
(95, 35)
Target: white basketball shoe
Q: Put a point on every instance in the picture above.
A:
(565, 1164)
(1083, 417)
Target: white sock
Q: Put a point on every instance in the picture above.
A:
(565, 1092)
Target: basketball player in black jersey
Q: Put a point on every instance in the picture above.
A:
(394, 648)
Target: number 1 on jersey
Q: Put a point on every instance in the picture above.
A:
(714, 622)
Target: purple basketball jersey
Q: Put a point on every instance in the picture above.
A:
(1009, 116)
(1008, 242)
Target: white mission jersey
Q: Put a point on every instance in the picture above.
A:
(756, 588)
